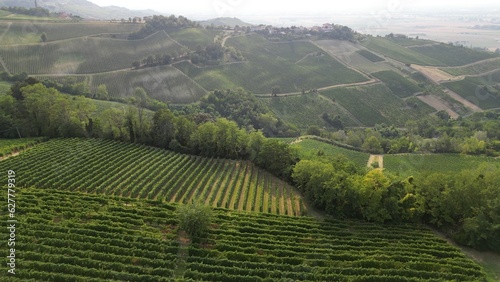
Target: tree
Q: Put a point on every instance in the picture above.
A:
(194, 218)
(313, 130)
(163, 130)
(141, 101)
(136, 64)
(102, 92)
(275, 90)
(372, 145)
(277, 157)
(43, 37)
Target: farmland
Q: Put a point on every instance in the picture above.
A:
(291, 66)
(451, 55)
(193, 37)
(474, 69)
(9, 146)
(395, 51)
(370, 56)
(398, 84)
(377, 104)
(412, 163)
(83, 237)
(144, 172)
(308, 149)
(476, 91)
(84, 55)
(306, 110)
(27, 32)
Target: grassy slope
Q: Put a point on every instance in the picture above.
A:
(478, 68)
(270, 65)
(370, 56)
(193, 37)
(68, 236)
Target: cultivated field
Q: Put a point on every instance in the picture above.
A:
(476, 68)
(67, 236)
(406, 164)
(292, 66)
(134, 171)
(452, 56)
(84, 55)
(193, 37)
(309, 148)
(9, 146)
(377, 104)
(306, 110)
(398, 84)
(27, 32)
(476, 90)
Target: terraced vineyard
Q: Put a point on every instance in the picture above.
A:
(128, 170)
(68, 236)
(398, 84)
(451, 55)
(477, 68)
(476, 90)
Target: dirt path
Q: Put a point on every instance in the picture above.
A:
(11, 155)
(376, 159)
(471, 64)
(435, 74)
(437, 104)
(182, 255)
(462, 100)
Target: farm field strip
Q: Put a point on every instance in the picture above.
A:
(139, 171)
(86, 237)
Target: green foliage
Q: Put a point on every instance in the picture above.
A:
(160, 23)
(277, 158)
(9, 146)
(477, 92)
(194, 218)
(478, 68)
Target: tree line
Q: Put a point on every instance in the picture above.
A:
(464, 205)
(158, 23)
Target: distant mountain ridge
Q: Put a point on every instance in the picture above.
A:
(83, 8)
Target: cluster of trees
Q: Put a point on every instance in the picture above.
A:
(248, 112)
(158, 23)
(465, 204)
(37, 12)
(331, 31)
(153, 61)
(13, 77)
(33, 110)
(476, 134)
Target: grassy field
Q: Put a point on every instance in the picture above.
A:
(476, 91)
(370, 56)
(84, 55)
(193, 37)
(412, 163)
(26, 32)
(398, 84)
(377, 104)
(273, 64)
(478, 68)
(453, 56)
(308, 150)
(137, 171)
(306, 110)
(68, 236)
(405, 42)
(395, 51)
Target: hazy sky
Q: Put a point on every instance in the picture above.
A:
(240, 8)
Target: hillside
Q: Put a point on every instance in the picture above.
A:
(82, 8)
(225, 21)
(86, 237)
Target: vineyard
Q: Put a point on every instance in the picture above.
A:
(478, 68)
(476, 90)
(370, 56)
(290, 66)
(193, 37)
(308, 150)
(84, 55)
(407, 164)
(311, 106)
(377, 104)
(398, 84)
(9, 146)
(27, 32)
(137, 171)
(68, 236)
(451, 55)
